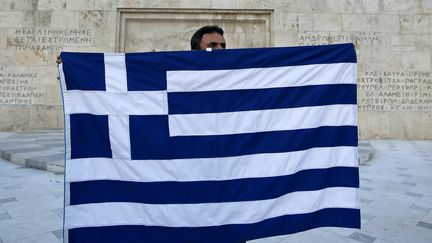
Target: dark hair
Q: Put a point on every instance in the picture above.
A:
(197, 36)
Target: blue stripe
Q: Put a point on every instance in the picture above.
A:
(260, 57)
(260, 99)
(147, 71)
(289, 224)
(150, 140)
(84, 71)
(248, 189)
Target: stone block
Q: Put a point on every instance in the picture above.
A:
(305, 21)
(18, 5)
(327, 22)
(3, 41)
(38, 18)
(286, 38)
(51, 4)
(5, 5)
(16, 117)
(15, 19)
(387, 60)
(281, 5)
(356, 22)
(147, 4)
(100, 24)
(224, 4)
(313, 6)
(285, 5)
(401, 42)
(206, 4)
(93, 19)
(44, 117)
(355, 6)
(52, 95)
(286, 21)
(28, 58)
(79, 4)
(416, 23)
(416, 61)
(422, 42)
(362, 56)
(385, 23)
(402, 6)
(35, 164)
(56, 166)
(381, 125)
(337, 6)
(64, 19)
(46, 75)
(426, 6)
(105, 5)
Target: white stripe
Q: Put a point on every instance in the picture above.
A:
(259, 78)
(210, 169)
(115, 72)
(262, 120)
(107, 103)
(119, 136)
(208, 214)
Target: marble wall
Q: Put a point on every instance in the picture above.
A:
(393, 39)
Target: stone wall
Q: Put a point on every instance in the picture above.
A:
(393, 39)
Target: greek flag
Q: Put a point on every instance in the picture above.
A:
(209, 146)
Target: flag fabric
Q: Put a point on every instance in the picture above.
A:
(209, 146)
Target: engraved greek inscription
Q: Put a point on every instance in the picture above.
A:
(318, 38)
(395, 91)
(17, 88)
(48, 39)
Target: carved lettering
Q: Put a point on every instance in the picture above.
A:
(395, 91)
(52, 40)
(358, 38)
(17, 88)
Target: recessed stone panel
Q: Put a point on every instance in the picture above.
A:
(140, 30)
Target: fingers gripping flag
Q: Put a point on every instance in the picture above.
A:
(222, 146)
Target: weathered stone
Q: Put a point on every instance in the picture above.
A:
(416, 24)
(327, 22)
(142, 28)
(17, 118)
(356, 22)
(416, 61)
(385, 23)
(393, 40)
(51, 4)
(44, 117)
(65, 19)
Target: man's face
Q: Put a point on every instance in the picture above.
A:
(212, 40)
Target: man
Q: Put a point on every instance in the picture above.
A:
(210, 36)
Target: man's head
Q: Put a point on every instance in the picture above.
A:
(210, 36)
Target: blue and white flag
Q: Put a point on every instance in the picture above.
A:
(210, 146)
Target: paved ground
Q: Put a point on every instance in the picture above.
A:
(43, 150)
(30, 204)
(396, 193)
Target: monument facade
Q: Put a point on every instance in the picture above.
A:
(393, 40)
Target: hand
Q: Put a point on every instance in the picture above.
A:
(58, 60)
